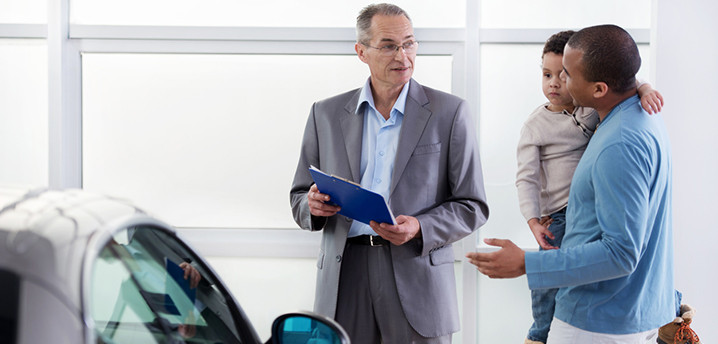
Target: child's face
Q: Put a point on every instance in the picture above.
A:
(553, 87)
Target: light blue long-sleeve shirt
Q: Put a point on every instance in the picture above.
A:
(380, 140)
(615, 266)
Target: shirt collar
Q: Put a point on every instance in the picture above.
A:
(366, 97)
(630, 101)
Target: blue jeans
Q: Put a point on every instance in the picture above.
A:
(543, 301)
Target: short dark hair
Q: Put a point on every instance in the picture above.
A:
(557, 42)
(363, 28)
(609, 55)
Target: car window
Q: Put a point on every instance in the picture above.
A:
(140, 294)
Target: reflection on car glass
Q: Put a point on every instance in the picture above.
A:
(164, 290)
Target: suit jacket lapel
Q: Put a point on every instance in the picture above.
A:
(352, 125)
(415, 119)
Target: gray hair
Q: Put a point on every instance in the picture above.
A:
(363, 27)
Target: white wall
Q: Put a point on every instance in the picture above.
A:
(23, 112)
(685, 43)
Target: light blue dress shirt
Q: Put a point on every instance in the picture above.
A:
(380, 139)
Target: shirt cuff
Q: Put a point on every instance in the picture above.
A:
(532, 262)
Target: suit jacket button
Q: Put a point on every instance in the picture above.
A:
(339, 259)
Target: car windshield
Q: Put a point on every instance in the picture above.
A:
(147, 288)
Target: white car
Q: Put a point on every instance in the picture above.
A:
(77, 267)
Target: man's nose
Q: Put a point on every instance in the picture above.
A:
(400, 54)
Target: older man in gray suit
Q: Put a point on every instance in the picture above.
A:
(417, 147)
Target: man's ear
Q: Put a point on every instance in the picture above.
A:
(360, 52)
(600, 89)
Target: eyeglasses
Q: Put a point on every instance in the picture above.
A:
(391, 49)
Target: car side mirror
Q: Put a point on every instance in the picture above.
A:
(307, 328)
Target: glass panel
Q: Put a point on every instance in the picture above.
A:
(23, 112)
(140, 293)
(118, 309)
(514, 73)
(565, 13)
(503, 298)
(23, 11)
(210, 140)
(248, 277)
(267, 13)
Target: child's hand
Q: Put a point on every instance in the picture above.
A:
(546, 221)
(541, 232)
(651, 100)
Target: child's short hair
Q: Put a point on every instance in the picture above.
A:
(557, 42)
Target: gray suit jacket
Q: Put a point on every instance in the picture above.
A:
(437, 179)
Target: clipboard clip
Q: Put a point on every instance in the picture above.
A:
(346, 180)
(311, 167)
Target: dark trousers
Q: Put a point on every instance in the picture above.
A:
(368, 304)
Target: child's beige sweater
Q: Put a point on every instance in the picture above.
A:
(549, 149)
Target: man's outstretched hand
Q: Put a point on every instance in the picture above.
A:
(508, 262)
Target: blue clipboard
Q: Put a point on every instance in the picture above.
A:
(176, 273)
(356, 202)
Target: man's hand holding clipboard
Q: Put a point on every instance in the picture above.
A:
(353, 200)
(317, 206)
(332, 194)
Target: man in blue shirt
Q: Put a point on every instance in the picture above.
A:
(615, 268)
